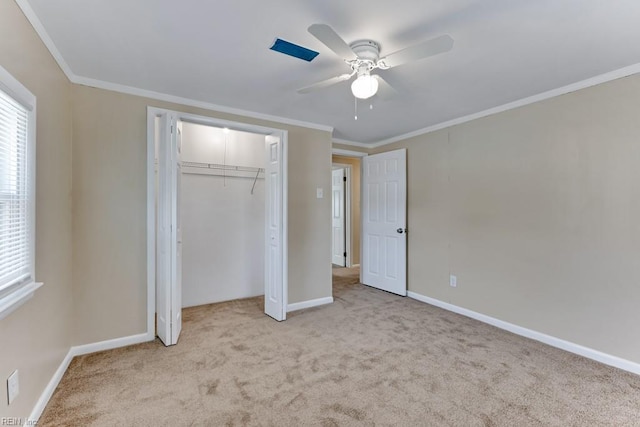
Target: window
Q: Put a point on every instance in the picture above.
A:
(17, 193)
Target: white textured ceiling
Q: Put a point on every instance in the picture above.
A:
(218, 52)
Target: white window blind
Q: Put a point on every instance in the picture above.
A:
(16, 257)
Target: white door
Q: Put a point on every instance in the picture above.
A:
(176, 236)
(338, 252)
(384, 205)
(274, 299)
(168, 255)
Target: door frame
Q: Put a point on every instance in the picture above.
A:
(347, 209)
(361, 155)
(152, 137)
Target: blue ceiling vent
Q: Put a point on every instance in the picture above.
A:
(294, 50)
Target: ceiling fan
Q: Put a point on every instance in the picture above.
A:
(363, 56)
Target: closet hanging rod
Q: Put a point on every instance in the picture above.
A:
(222, 167)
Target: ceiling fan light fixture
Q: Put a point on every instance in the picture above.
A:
(365, 86)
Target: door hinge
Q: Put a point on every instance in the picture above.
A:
(344, 178)
(171, 128)
(345, 255)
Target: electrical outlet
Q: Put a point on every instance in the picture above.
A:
(453, 281)
(319, 193)
(13, 386)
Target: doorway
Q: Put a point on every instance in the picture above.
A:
(340, 215)
(350, 163)
(223, 214)
(382, 222)
(346, 177)
(164, 242)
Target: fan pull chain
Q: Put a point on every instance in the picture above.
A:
(355, 108)
(224, 161)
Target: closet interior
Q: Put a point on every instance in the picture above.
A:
(222, 207)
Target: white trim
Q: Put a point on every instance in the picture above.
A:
(308, 304)
(44, 36)
(216, 122)
(51, 387)
(352, 143)
(16, 298)
(593, 81)
(348, 153)
(580, 350)
(79, 351)
(129, 90)
(355, 265)
(16, 90)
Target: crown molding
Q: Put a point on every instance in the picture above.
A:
(352, 143)
(583, 84)
(348, 153)
(44, 36)
(130, 90)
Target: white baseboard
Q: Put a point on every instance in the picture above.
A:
(51, 387)
(580, 350)
(78, 351)
(355, 265)
(110, 344)
(308, 304)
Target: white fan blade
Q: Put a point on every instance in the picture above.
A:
(325, 83)
(432, 47)
(385, 90)
(332, 40)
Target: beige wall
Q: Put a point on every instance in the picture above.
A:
(355, 204)
(36, 337)
(536, 210)
(309, 217)
(109, 206)
(109, 214)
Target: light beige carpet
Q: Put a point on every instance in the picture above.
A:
(370, 358)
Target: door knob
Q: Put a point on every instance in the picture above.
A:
(401, 230)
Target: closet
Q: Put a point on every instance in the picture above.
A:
(222, 204)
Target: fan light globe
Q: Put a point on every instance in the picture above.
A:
(365, 86)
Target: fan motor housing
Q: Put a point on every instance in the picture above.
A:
(367, 50)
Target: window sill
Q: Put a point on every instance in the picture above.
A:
(15, 299)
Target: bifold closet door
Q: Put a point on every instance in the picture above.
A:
(274, 298)
(168, 233)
